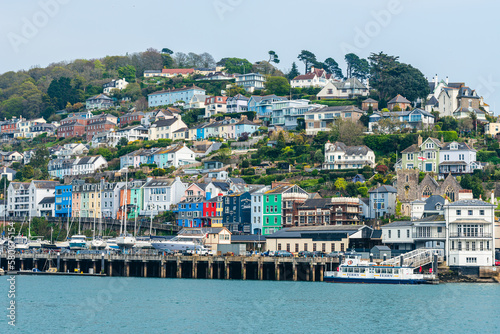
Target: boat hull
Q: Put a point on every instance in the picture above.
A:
(373, 280)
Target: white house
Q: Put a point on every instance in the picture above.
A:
(315, 78)
(89, 165)
(215, 105)
(251, 81)
(112, 137)
(237, 103)
(321, 119)
(257, 212)
(114, 84)
(165, 128)
(470, 233)
(196, 102)
(340, 156)
(59, 168)
(348, 89)
(71, 150)
(285, 113)
(176, 156)
(457, 158)
(38, 191)
(18, 199)
(161, 194)
(413, 119)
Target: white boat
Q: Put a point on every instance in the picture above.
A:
(353, 270)
(180, 243)
(21, 243)
(62, 244)
(78, 242)
(111, 245)
(98, 244)
(143, 244)
(125, 241)
(36, 244)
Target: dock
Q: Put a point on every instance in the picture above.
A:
(176, 266)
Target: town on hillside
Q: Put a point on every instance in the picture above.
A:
(323, 160)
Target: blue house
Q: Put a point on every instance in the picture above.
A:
(171, 96)
(63, 198)
(262, 105)
(237, 214)
(245, 126)
(382, 201)
(190, 212)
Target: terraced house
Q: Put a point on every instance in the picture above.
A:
(340, 156)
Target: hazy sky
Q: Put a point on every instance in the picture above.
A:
(456, 38)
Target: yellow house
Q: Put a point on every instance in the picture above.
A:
(492, 129)
(217, 236)
(94, 198)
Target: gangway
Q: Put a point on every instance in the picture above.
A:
(416, 258)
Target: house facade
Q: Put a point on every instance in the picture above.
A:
(169, 97)
(382, 201)
(251, 81)
(237, 104)
(99, 102)
(348, 89)
(340, 156)
(322, 118)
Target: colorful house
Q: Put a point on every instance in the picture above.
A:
(213, 212)
(237, 212)
(63, 199)
(190, 212)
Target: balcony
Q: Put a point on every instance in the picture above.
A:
(471, 235)
(432, 235)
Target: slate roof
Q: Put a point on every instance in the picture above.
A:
(45, 184)
(176, 90)
(297, 232)
(247, 238)
(470, 202)
(48, 200)
(224, 186)
(384, 189)
(351, 150)
(370, 100)
(432, 101)
(351, 83)
(430, 203)
(398, 223)
(335, 109)
(159, 183)
(165, 122)
(398, 99)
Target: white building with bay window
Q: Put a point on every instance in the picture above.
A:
(470, 237)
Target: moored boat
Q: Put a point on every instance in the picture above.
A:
(353, 270)
(78, 242)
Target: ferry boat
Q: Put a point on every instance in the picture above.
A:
(78, 242)
(353, 270)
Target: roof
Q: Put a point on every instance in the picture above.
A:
(398, 223)
(384, 188)
(48, 200)
(382, 248)
(247, 238)
(159, 183)
(432, 201)
(351, 150)
(310, 231)
(165, 122)
(237, 180)
(370, 100)
(398, 99)
(433, 218)
(224, 186)
(470, 202)
(45, 184)
(176, 90)
(335, 109)
(432, 101)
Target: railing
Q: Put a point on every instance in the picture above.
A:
(418, 257)
(435, 235)
(471, 235)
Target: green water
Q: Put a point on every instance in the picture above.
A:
(150, 305)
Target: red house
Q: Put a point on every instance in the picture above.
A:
(72, 129)
(131, 117)
(100, 126)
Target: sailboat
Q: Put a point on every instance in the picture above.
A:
(50, 245)
(125, 240)
(97, 241)
(78, 241)
(21, 242)
(65, 244)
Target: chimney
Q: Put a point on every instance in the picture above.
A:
(446, 80)
(492, 197)
(312, 69)
(465, 194)
(436, 79)
(419, 140)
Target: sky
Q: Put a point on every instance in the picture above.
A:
(455, 38)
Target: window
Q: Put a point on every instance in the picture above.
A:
(287, 247)
(389, 234)
(470, 212)
(323, 247)
(296, 248)
(459, 212)
(305, 247)
(399, 234)
(342, 247)
(279, 246)
(407, 233)
(481, 212)
(314, 246)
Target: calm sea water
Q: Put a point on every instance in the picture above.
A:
(149, 305)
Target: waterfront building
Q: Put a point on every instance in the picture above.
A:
(382, 201)
(160, 194)
(76, 197)
(327, 211)
(189, 212)
(237, 215)
(213, 210)
(63, 198)
(470, 233)
(110, 198)
(257, 214)
(38, 190)
(18, 199)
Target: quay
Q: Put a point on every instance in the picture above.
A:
(173, 266)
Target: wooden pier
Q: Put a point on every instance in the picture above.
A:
(196, 267)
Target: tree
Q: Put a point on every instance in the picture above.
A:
(332, 67)
(319, 156)
(127, 72)
(277, 85)
(293, 72)
(347, 132)
(273, 58)
(206, 60)
(167, 51)
(236, 65)
(181, 59)
(340, 183)
(41, 158)
(356, 67)
(390, 77)
(123, 141)
(281, 143)
(308, 58)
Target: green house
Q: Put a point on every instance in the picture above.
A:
(272, 215)
(424, 156)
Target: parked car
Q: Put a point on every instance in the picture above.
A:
(497, 263)
(306, 254)
(283, 253)
(333, 254)
(268, 253)
(318, 254)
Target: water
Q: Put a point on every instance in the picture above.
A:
(48, 304)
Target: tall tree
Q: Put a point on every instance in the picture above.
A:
(273, 57)
(390, 77)
(332, 67)
(127, 72)
(167, 51)
(236, 65)
(294, 71)
(356, 67)
(277, 85)
(308, 58)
